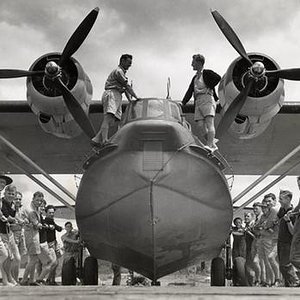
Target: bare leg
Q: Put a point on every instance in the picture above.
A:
(30, 268)
(108, 121)
(3, 258)
(202, 130)
(209, 124)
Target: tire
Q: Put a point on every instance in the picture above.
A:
(68, 272)
(217, 272)
(238, 272)
(90, 271)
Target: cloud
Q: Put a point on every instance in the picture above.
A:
(162, 36)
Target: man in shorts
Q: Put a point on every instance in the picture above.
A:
(203, 87)
(8, 219)
(115, 85)
(18, 233)
(4, 181)
(37, 249)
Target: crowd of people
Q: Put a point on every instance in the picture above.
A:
(268, 240)
(31, 231)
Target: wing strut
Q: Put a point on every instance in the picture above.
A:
(36, 167)
(266, 188)
(41, 184)
(261, 178)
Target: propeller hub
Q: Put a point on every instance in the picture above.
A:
(257, 69)
(52, 69)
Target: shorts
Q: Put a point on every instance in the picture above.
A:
(45, 255)
(10, 245)
(32, 241)
(20, 241)
(112, 103)
(204, 106)
(268, 247)
(56, 249)
(3, 249)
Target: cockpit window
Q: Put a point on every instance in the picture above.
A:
(175, 113)
(156, 109)
(136, 110)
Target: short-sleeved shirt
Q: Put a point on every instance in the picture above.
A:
(32, 239)
(70, 247)
(117, 80)
(270, 221)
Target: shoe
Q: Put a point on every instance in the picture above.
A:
(264, 284)
(277, 283)
(96, 144)
(24, 283)
(9, 284)
(211, 149)
(35, 283)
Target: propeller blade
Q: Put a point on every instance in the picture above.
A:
(10, 73)
(75, 109)
(230, 35)
(234, 108)
(290, 74)
(79, 36)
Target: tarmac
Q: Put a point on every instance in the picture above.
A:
(175, 286)
(140, 293)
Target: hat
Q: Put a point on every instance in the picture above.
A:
(6, 178)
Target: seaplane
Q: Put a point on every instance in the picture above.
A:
(154, 200)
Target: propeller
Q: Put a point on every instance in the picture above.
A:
(290, 74)
(256, 71)
(75, 108)
(79, 36)
(9, 73)
(230, 35)
(54, 72)
(234, 108)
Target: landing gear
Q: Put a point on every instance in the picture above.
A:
(90, 271)
(155, 283)
(217, 272)
(68, 272)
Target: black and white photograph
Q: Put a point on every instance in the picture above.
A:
(149, 149)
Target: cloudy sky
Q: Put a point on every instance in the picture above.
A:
(162, 36)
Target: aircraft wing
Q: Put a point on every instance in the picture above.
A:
(65, 156)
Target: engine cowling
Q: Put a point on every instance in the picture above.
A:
(263, 102)
(47, 102)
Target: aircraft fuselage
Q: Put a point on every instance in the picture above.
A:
(156, 201)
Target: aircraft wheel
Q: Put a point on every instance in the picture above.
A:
(155, 283)
(238, 272)
(90, 271)
(68, 272)
(217, 272)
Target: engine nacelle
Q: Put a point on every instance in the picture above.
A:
(47, 102)
(263, 102)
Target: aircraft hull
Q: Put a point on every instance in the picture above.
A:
(154, 222)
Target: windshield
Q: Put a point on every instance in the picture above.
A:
(154, 108)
